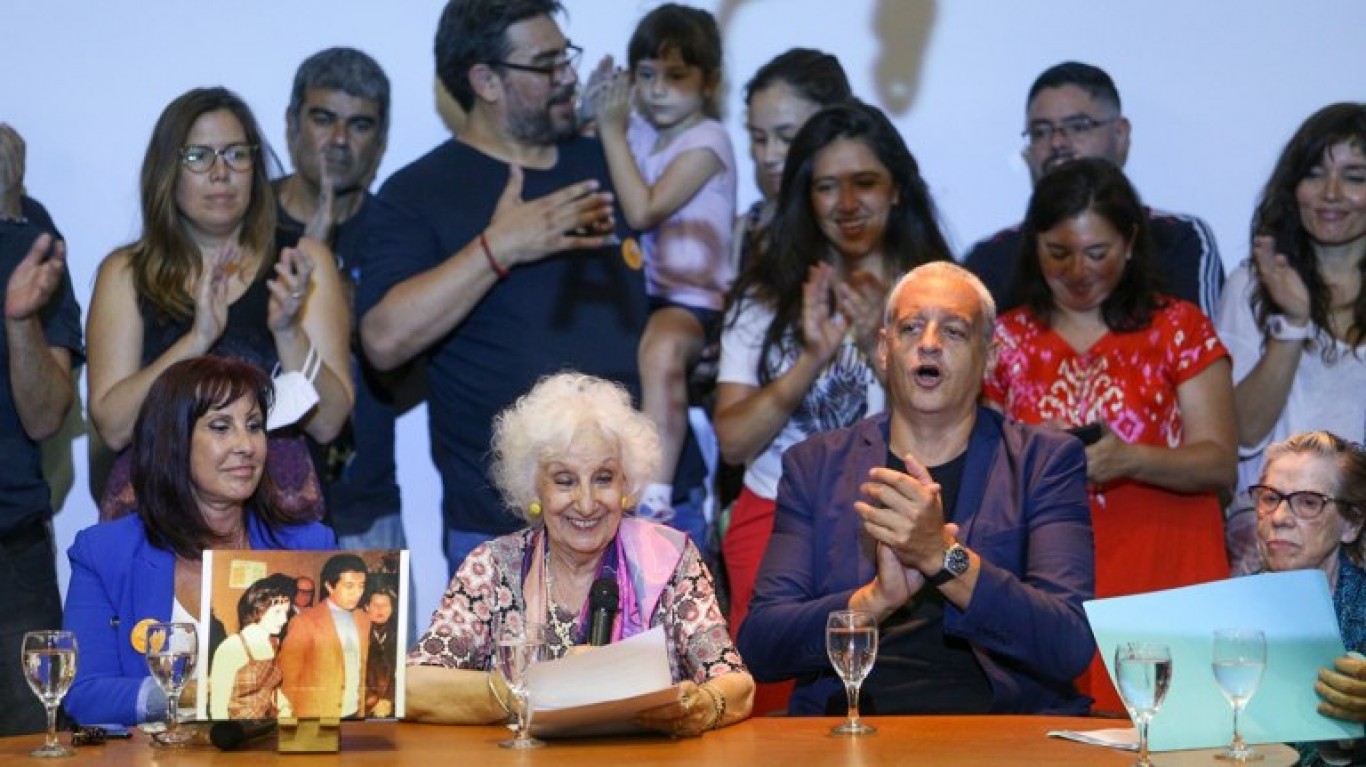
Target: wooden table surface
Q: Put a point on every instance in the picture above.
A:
(788, 742)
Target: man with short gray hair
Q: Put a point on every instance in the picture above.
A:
(967, 537)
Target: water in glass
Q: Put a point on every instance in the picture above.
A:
(1144, 672)
(851, 644)
(49, 661)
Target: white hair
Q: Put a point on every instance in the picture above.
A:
(947, 270)
(542, 424)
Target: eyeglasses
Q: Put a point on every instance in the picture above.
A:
(1305, 504)
(555, 69)
(1072, 128)
(198, 158)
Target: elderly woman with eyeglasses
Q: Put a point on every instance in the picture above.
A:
(211, 274)
(1311, 505)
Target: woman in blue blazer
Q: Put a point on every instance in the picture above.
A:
(199, 473)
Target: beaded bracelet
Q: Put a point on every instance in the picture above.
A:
(497, 268)
(718, 702)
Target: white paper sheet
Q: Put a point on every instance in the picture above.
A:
(600, 691)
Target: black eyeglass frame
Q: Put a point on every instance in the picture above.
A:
(554, 70)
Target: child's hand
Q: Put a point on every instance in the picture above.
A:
(614, 102)
(598, 79)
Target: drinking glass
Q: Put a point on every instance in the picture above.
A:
(519, 648)
(851, 643)
(1144, 672)
(1239, 659)
(49, 659)
(172, 649)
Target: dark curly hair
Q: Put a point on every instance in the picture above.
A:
(795, 241)
(1278, 216)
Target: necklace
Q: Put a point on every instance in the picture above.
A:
(563, 629)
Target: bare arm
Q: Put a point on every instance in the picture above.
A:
(320, 319)
(39, 375)
(747, 418)
(1207, 458)
(417, 312)
(646, 205)
(1261, 395)
(118, 381)
(440, 695)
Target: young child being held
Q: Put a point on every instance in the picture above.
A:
(673, 169)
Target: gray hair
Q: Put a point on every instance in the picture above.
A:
(347, 70)
(1349, 458)
(542, 424)
(947, 270)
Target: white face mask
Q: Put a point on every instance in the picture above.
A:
(295, 395)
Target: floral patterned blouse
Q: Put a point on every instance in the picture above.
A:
(1125, 380)
(488, 584)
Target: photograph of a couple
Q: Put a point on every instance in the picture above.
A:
(306, 634)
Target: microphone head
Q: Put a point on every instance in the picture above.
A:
(227, 735)
(603, 595)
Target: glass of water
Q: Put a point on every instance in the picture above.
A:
(851, 643)
(1144, 672)
(1239, 660)
(49, 659)
(520, 646)
(172, 649)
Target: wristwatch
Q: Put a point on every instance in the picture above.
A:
(956, 562)
(1279, 328)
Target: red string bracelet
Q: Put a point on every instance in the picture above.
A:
(497, 268)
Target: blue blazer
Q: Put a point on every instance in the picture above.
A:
(118, 578)
(1022, 508)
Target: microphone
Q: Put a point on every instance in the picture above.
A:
(602, 608)
(230, 735)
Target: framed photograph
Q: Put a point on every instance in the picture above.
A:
(308, 634)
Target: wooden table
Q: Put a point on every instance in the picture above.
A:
(788, 742)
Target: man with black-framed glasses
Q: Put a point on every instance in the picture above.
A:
(1073, 111)
(500, 255)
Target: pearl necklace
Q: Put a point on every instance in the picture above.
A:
(563, 630)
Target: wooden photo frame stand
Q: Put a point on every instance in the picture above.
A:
(310, 736)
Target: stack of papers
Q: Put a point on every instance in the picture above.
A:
(1122, 738)
(600, 691)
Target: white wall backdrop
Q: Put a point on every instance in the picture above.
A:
(1213, 89)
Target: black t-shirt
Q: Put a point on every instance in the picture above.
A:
(919, 669)
(24, 493)
(582, 310)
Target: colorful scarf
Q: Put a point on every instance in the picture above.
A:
(641, 558)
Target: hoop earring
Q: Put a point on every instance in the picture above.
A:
(534, 509)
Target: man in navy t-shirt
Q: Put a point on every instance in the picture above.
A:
(498, 254)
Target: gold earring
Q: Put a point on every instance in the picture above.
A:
(627, 503)
(534, 509)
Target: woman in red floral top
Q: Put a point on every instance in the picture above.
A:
(1095, 343)
(570, 457)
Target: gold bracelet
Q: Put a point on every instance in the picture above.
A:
(493, 690)
(718, 702)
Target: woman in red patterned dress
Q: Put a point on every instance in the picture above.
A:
(1093, 342)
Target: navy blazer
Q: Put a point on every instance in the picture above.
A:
(119, 578)
(1022, 508)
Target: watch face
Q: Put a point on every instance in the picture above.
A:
(956, 559)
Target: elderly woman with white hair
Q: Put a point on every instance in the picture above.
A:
(570, 457)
